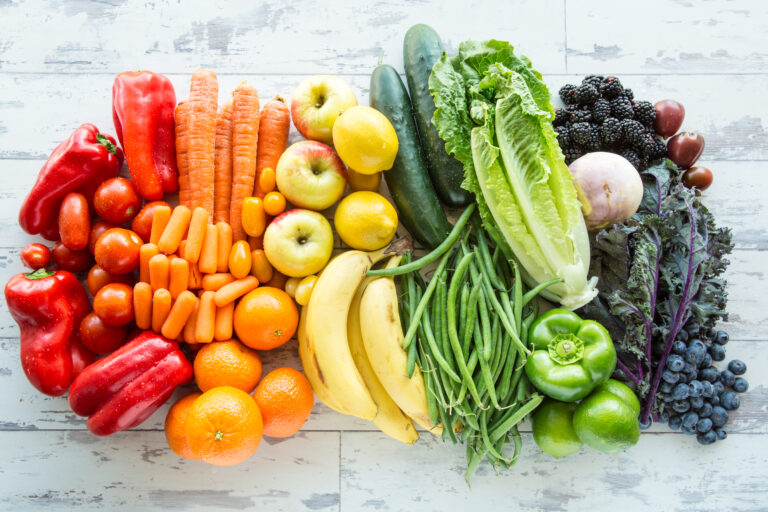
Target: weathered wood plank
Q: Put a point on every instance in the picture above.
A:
(137, 471)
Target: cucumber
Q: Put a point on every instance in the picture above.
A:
(421, 49)
(408, 180)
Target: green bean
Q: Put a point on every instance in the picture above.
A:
(471, 365)
(501, 348)
(422, 304)
(429, 378)
(411, 362)
(487, 440)
(516, 417)
(433, 255)
(447, 421)
(485, 262)
(432, 344)
(474, 458)
(506, 374)
(485, 322)
(517, 440)
(530, 294)
(505, 320)
(485, 371)
(467, 334)
(518, 301)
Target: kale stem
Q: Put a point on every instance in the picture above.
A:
(627, 371)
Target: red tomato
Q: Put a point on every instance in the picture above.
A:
(67, 259)
(685, 148)
(114, 304)
(698, 177)
(117, 251)
(35, 256)
(117, 200)
(74, 221)
(98, 229)
(142, 223)
(99, 337)
(98, 278)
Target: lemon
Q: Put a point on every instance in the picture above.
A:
(365, 139)
(365, 221)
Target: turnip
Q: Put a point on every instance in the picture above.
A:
(609, 186)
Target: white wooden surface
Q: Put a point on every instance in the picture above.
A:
(57, 62)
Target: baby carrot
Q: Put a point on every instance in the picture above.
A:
(274, 125)
(261, 269)
(223, 246)
(195, 278)
(160, 219)
(234, 290)
(245, 135)
(178, 280)
(224, 321)
(161, 306)
(206, 318)
(222, 185)
(159, 272)
(179, 314)
(208, 254)
(201, 137)
(174, 230)
(254, 219)
(215, 281)
(240, 259)
(195, 235)
(146, 252)
(142, 305)
(181, 116)
(189, 327)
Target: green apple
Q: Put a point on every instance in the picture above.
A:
(298, 242)
(317, 102)
(311, 175)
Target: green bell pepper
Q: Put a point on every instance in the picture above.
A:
(570, 356)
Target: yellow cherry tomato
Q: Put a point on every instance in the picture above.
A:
(274, 203)
(291, 284)
(240, 259)
(254, 218)
(304, 290)
(260, 267)
(358, 181)
(266, 180)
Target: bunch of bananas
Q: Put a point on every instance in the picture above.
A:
(350, 344)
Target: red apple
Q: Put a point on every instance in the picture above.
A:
(298, 242)
(317, 102)
(685, 148)
(311, 175)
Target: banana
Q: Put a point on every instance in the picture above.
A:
(389, 418)
(326, 330)
(383, 339)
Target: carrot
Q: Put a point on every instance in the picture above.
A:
(245, 136)
(222, 184)
(215, 281)
(159, 272)
(174, 230)
(178, 282)
(195, 235)
(189, 327)
(195, 278)
(161, 306)
(160, 218)
(274, 125)
(208, 254)
(234, 290)
(223, 246)
(142, 305)
(182, 130)
(201, 138)
(146, 252)
(222, 329)
(179, 314)
(206, 318)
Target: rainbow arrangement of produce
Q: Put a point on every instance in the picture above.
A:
(578, 282)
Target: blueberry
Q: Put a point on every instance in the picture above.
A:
(645, 426)
(690, 419)
(670, 376)
(704, 425)
(706, 362)
(688, 430)
(705, 411)
(708, 374)
(727, 377)
(683, 335)
(695, 352)
(675, 422)
(680, 392)
(740, 384)
(706, 438)
(693, 328)
(689, 368)
(719, 388)
(675, 363)
(737, 367)
(681, 406)
(715, 400)
(717, 352)
(730, 400)
(678, 347)
(696, 402)
(719, 416)
(721, 433)
(695, 389)
(707, 389)
(664, 416)
(666, 387)
(721, 337)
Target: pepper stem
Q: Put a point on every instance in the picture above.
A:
(566, 349)
(39, 274)
(104, 141)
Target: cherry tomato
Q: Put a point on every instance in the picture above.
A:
(99, 337)
(74, 221)
(669, 117)
(117, 200)
(67, 259)
(98, 229)
(98, 278)
(117, 251)
(698, 177)
(114, 304)
(142, 223)
(35, 256)
(274, 203)
(685, 148)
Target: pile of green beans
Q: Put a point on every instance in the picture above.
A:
(467, 330)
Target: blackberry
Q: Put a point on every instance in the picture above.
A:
(567, 94)
(593, 80)
(645, 113)
(581, 133)
(561, 116)
(633, 133)
(646, 146)
(586, 94)
(594, 139)
(601, 110)
(580, 116)
(632, 157)
(659, 150)
(572, 154)
(629, 94)
(621, 108)
(564, 138)
(611, 87)
(610, 131)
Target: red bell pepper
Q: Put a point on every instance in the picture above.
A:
(48, 306)
(126, 387)
(143, 106)
(80, 163)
